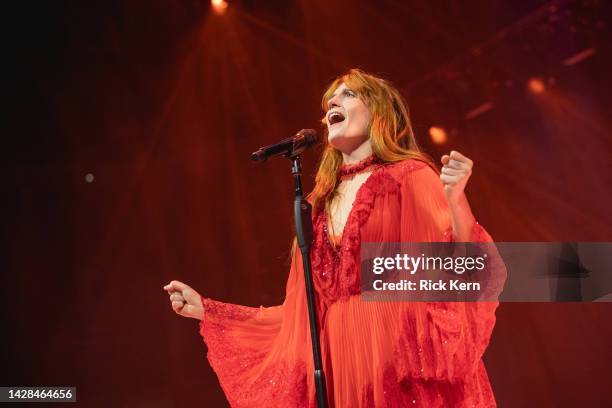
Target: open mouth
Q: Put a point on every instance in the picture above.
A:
(335, 117)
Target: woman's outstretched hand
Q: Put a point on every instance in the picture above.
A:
(185, 301)
(456, 171)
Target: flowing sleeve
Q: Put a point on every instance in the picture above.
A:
(257, 353)
(439, 340)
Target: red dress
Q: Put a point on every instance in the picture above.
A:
(375, 354)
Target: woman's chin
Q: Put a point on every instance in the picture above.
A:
(345, 144)
(337, 142)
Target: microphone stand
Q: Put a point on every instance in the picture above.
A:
(302, 211)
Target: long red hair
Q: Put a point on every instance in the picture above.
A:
(390, 131)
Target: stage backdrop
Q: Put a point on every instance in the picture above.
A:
(126, 166)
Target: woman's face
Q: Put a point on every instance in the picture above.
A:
(348, 119)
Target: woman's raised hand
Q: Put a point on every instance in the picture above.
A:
(185, 301)
(456, 171)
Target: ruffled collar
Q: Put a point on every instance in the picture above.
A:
(348, 171)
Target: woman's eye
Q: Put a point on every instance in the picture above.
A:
(349, 93)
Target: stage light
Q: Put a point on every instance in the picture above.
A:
(536, 85)
(438, 135)
(219, 6)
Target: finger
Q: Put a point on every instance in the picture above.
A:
(175, 286)
(445, 159)
(452, 172)
(446, 179)
(188, 310)
(177, 306)
(193, 298)
(176, 296)
(455, 164)
(460, 157)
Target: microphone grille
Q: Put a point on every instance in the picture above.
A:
(310, 136)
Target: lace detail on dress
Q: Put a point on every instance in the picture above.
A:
(348, 171)
(421, 393)
(443, 341)
(245, 378)
(337, 269)
(213, 308)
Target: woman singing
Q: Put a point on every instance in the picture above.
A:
(373, 185)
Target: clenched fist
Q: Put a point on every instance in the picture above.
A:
(456, 171)
(185, 301)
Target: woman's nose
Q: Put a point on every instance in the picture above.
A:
(334, 102)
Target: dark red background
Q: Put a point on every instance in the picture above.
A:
(162, 101)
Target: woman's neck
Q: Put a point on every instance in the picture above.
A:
(361, 152)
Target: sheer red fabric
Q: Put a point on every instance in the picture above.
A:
(375, 354)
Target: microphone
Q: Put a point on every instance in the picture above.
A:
(289, 147)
